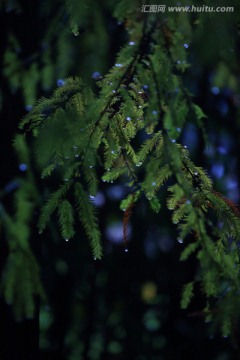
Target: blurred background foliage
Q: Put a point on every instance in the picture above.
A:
(125, 306)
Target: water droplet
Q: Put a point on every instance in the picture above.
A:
(173, 140)
(95, 258)
(140, 92)
(112, 152)
(66, 239)
(118, 65)
(76, 155)
(185, 147)
(186, 46)
(113, 91)
(180, 240)
(196, 173)
(128, 118)
(90, 166)
(140, 106)
(131, 43)
(92, 197)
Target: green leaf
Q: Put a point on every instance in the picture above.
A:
(87, 216)
(199, 112)
(187, 295)
(66, 219)
(188, 251)
(130, 199)
(51, 205)
(155, 204)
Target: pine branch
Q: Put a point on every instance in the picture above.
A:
(88, 218)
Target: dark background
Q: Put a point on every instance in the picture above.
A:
(125, 306)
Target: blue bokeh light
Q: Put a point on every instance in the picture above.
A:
(223, 107)
(225, 141)
(99, 199)
(96, 75)
(22, 167)
(215, 90)
(13, 185)
(231, 182)
(116, 192)
(190, 136)
(217, 170)
(222, 150)
(114, 232)
(29, 108)
(60, 82)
